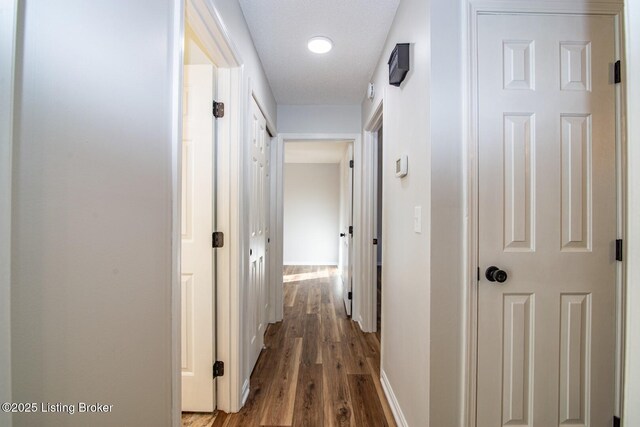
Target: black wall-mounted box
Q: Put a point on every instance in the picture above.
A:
(398, 64)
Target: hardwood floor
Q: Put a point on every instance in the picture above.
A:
(318, 368)
(194, 419)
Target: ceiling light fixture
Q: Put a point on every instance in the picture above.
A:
(320, 44)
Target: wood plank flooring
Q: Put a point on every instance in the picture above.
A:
(318, 368)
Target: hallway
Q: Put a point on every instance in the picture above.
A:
(318, 368)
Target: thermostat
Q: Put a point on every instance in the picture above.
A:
(401, 166)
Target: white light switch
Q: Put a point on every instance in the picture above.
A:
(417, 219)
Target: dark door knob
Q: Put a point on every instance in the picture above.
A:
(494, 274)
(342, 234)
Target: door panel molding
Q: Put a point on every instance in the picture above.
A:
(474, 9)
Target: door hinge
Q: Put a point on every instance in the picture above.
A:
(619, 250)
(218, 109)
(217, 239)
(616, 421)
(351, 230)
(350, 295)
(375, 241)
(351, 164)
(478, 274)
(617, 72)
(218, 369)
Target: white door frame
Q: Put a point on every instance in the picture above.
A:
(368, 307)
(470, 60)
(277, 232)
(205, 20)
(8, 30)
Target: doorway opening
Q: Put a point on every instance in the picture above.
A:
(317, 366)
(197, 263)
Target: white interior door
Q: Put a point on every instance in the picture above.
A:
(348, 238)
(257, 295)
(547, 217)
(198, 276)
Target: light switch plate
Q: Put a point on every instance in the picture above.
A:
(417, 219)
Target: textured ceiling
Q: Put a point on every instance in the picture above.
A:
(314, 152)
(281, 28)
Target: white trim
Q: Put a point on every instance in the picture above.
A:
(8, 30)
(205, 20)
(245, 391)
(279, 232)
(621, 178)
(228, 258)
(273, 225)
(177, 52)
(369, 259)
(470, 181)
(398, 416)
(631, 131)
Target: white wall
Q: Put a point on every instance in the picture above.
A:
(311, 213)
(319, 118)
(8, 15)
(631, 409)
(406, 331)
(236, 26)
(92, 225)
(447, 279)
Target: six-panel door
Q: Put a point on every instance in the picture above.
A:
(547, 217)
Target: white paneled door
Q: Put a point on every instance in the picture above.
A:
(257, 297)
(547, 220)
(198, 276)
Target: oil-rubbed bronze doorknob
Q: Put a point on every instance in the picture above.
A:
(494, 274)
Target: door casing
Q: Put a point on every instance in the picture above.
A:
(368, 303)
(277, 232)
(205, 20)
(471, 183)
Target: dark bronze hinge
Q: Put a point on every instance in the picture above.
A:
(617, 72)
(217, 239)
(619, 249)
(350, 295)
(218, 109)
(218, 369)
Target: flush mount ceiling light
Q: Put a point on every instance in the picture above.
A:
(320, 44)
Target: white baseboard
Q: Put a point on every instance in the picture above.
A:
(245, 392)
(332, 264)
(393, 402)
